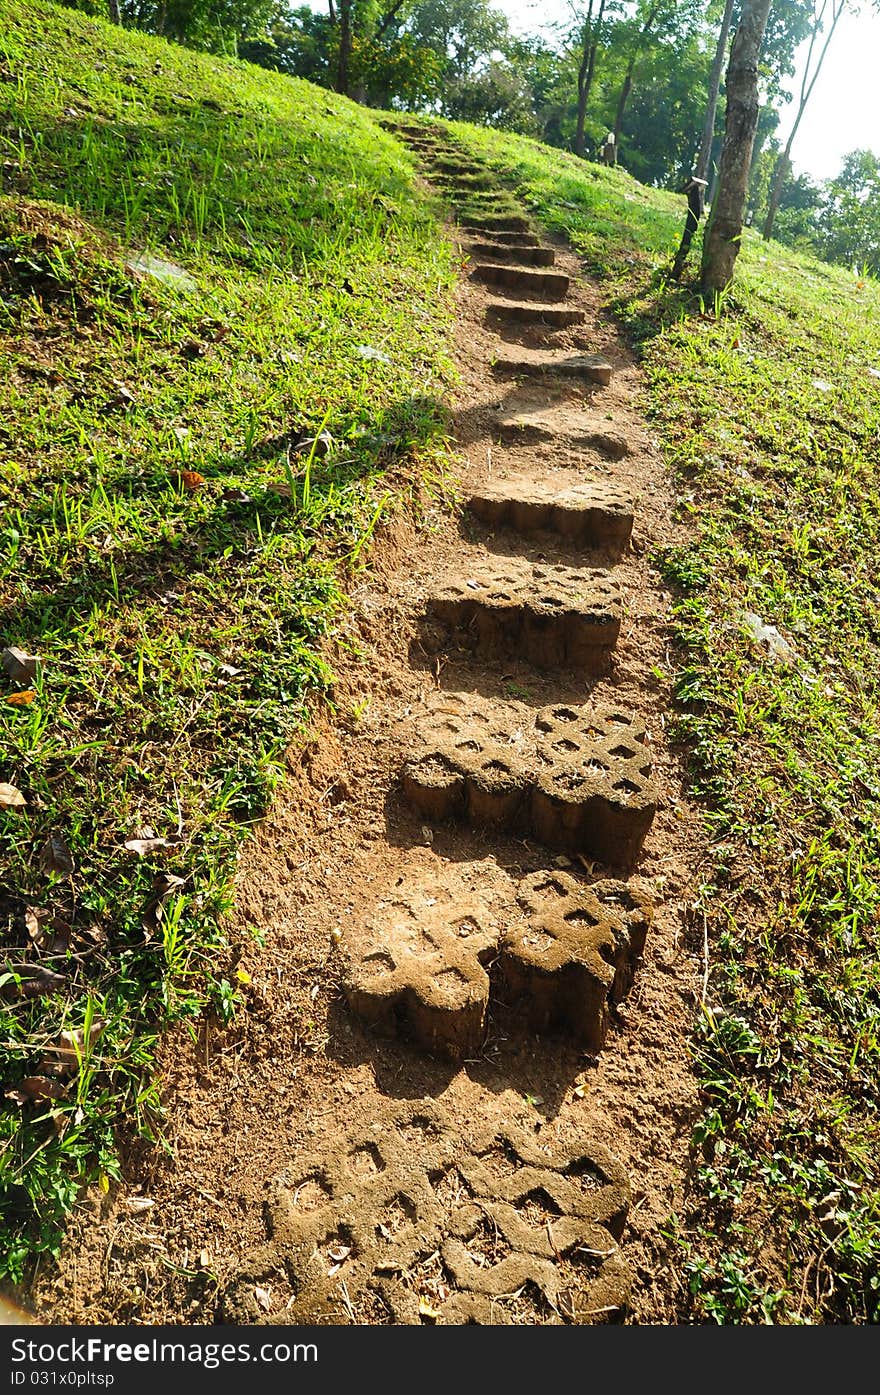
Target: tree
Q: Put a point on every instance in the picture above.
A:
(702, 165)
(724, 232)
(849, 221)
(589, 44)
(653, 18)
(815, 58)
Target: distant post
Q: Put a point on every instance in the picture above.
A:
(696, 194)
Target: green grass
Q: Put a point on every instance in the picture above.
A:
(770, 418)
(171, 547)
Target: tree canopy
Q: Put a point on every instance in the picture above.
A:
(642, 69)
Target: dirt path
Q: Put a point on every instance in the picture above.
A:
(459, 1091)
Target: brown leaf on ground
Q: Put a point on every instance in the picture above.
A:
(143, 846)
(192, 349)
(47, 930)
(565, 1299)
(11, 798)
(31, 981)
(22, 699)
(35, 1088)
(68, 1047)
(164, 885)
(191, 480)
(19, 666)
(55, 856)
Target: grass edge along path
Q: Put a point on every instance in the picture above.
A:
(224, 317)
(768, 409)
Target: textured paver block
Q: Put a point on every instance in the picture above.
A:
(535, 313)
(549, 615)
(509, 239)
(521, 278)
(560, 422)
(525, 256)
(577, 778)
(597, 514)
(416, 966)
(575, 955)
(459, 165)
(407, 1220)
(527, 363)
(499, 222)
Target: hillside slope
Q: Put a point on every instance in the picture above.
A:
(203, 268)
(175, 545)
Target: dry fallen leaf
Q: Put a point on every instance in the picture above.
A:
(55, 855)
(142, 846)
(565, 1299)
(11, 798)
(191, 479)
(263, 1297)
(139, 1203)
(38, 1087)
(427, 1309)
(164, 885)
(47, 930)
(32, 981)
(67, 1049)
(23, 699)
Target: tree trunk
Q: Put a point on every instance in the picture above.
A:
(583, 90)
(622, 100)
(724, 232)
(113, 12)
(344, 46)
(714, 86)
(783, 164)
(630, 73)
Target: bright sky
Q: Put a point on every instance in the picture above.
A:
(844, 111)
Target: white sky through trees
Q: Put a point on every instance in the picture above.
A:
(843, 113)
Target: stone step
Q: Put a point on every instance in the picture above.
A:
(543, 420)
(416, 967)
(504, 236)
(574, 778)
(405, 1193)
(524, 256)
(597, 514)
(574, 956)
(551, 616)
(520, 278)
(562, 952)
(528, 363)
(459, 189)
(519, 312)
(499, 222)
(451, 166)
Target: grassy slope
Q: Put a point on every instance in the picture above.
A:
(770, 416)
(178, 622)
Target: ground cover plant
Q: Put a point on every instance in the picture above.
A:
(768, 408)
(223, 318)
